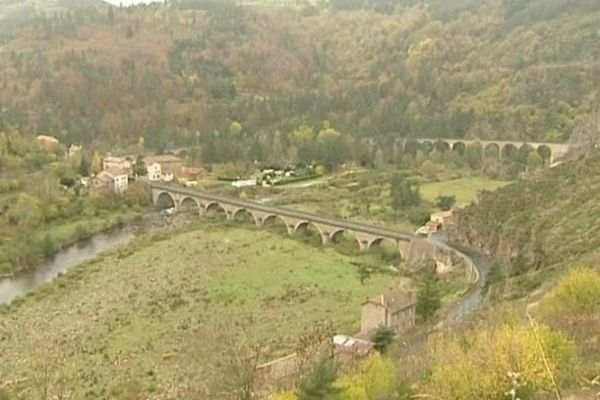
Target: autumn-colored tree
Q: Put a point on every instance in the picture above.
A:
(96, 163)
(573, 306)
(483, 364)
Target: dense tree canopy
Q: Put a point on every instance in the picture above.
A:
(378, 68)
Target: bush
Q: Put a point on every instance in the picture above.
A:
(383, 338)
(445, 203)
(573, 306)
(319, 384)
(418, 216)
(377, 379)
(487, 364)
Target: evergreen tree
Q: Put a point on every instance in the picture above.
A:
(428, 299)
(383, 338)
(404, 195)
(318, 384)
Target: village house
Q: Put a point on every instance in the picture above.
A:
(395, 310)
(191, 173)
(114, 180)
(116, 163)
(442, 218)
(154, 172)
(73, 151)
(170, 166)
(188, 176)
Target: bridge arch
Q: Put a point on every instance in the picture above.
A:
(426, 147)
(510, 152)
(491, 151)
(165, 200)
(411, 147)
(380, 241)
(460, 148)
(336, 235)
(242, 215)
(309, 229)
(214, 209)
(524, 152)
(274, 222)
(545, 152)
(441, 146)
(190, 204)
(345, 238)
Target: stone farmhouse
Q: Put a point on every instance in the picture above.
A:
(396, 310)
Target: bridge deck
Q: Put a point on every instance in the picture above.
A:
(286, 212)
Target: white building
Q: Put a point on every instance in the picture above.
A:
(154, 171)
(120, 180)
(73, 151)
(244, 183)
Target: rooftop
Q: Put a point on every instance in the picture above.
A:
(396, 300)
(114, 172)
(442, 214)
(162, 158)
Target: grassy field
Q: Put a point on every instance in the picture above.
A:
(365, 196)
(464, 189)
(149, 321)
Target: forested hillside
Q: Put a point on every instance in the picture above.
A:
(88, 72)
(539, 222)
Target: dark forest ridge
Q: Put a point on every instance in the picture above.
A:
(174, 73)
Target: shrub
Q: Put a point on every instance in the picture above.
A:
(383, 338)
(418, 216)
(573, 306)
(376, 379)
(484, 364)
(319, 384)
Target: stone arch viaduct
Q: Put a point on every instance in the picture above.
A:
(412, 248)
(555, 150)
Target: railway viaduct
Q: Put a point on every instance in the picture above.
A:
(553, 151)
(411, 247)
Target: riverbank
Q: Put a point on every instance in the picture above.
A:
(21, 254)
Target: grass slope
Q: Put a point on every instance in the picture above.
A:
(151, 318)
(464, 189)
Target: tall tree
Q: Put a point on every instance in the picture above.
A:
(404, 194)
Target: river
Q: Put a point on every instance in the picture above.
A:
(27, 281)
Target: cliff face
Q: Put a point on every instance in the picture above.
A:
(540, 220)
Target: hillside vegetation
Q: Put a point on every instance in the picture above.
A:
(171, 73)
(549, 218)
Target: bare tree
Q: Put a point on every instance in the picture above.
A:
(315, 346)
(48, 376)
(241, 357)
